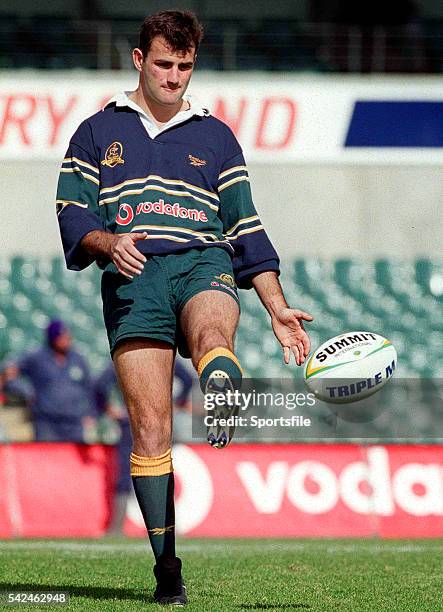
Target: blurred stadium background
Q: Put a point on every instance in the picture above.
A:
(339, 108)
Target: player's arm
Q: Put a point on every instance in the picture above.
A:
(77, 197)
(81, 227)
(287, 323)
(242, 227)
(120, 249)
(255, 262)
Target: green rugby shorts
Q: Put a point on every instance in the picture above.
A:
(149, 305)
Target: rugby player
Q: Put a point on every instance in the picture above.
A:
(156, 190)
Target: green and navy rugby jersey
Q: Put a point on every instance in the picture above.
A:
(187, 186)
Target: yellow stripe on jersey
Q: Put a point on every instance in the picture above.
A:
(232, 182)
(155, 177)
(169, 237)
(82, 163)
(231, 171)
(173, 237)
(194, 233)
(249, 230)
(71, 202)
(163, 190)
(66, 203)
(241, 222)
(84, 174)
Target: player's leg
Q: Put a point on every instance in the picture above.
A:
(209, 321)
(145, 372)
(144, 369)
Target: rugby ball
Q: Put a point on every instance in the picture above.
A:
(350, 367)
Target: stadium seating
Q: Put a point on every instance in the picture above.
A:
(399, 299)
(32, 39)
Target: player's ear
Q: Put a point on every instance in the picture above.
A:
(137, 58)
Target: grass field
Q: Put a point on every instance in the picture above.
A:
(347, 575)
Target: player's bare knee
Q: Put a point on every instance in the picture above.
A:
(208, 339)
(151, 439)
(151, 446)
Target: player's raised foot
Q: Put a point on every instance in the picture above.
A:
(219, 435)
(170, 590)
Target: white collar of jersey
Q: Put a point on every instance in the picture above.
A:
(195, 108)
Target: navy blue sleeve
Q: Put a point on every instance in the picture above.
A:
(77, 197)
(253, 251)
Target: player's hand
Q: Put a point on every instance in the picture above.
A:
(288, 328)
(127, 258)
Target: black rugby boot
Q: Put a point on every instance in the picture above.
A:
(171, 590)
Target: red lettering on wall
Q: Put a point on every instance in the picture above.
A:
(234, 122)
(19, 109)
(287, 130)
(58, 116)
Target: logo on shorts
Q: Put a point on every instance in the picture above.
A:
(195, 161)
(113, 155)
(227, 279)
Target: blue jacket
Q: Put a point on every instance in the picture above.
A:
(62, 391)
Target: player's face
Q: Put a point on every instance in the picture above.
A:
(165, 74)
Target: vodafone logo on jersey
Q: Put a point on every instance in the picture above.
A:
(126, 213)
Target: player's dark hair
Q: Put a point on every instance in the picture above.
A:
(180, 29)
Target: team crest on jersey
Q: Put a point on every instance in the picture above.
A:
(113, 155)
(195, 161)
(227, 279)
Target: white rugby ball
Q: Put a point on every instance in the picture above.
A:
(350, 367)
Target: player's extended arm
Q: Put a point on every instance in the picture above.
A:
(287, 323)
(120, 248)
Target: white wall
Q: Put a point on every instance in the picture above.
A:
(28, 208)
(334, 211)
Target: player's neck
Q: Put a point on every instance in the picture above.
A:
(158, 113)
